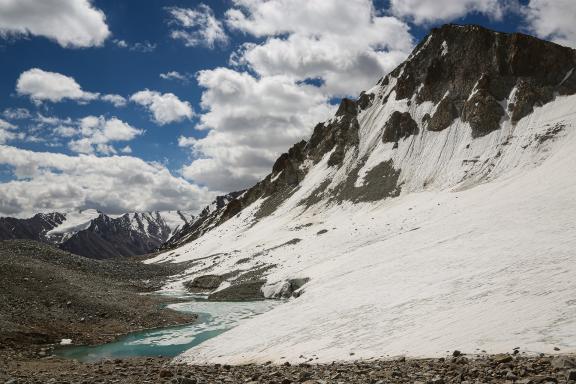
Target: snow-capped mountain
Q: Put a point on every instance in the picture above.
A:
(436, 212)
(93, 234)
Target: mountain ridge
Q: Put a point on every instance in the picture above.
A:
(94, 234)
(417, 211)
(490, 69)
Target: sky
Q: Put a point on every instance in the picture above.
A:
(163, 104)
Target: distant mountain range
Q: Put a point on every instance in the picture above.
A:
(96, 235)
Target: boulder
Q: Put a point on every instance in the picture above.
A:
(246, 291)
(204, 283)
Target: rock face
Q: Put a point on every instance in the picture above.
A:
(399, 126)
(96, 235)
(469, 73)
(477, 69)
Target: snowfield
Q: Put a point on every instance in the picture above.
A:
(477, 253)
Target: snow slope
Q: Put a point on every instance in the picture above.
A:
(74, 221)
(479, 257)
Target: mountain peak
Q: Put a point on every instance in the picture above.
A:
(470, 72)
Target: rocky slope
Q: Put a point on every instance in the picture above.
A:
(93, 234)
(435, 212)
(458, 75)
(47, 295)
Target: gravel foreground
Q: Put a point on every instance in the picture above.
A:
(455, 369)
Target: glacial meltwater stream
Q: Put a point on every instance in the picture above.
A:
(214, 318)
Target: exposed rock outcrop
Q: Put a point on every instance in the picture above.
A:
(399, 126)
(204, 283)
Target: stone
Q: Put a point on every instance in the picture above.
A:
(502, 358)
(204, 283)
(246, 291)
(165, 373)
(562, 362)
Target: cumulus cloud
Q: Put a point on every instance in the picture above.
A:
(7, 132)
(97, 132)
(305, 42)
(250, 121)
(553, 20)
(116, 184)
(16, 113)
(71, 23)
(265, 103)
(42, 86)
(6, 125)
(116, 100)
(175, 75)
(425, 11)
(143, 47)
(164, 107)
(196, 27)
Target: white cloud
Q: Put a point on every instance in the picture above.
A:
(305, 41)
(6, 133)
(175, 75)
(71, 23)
(184, 141)
(143, 47)
(6, 125)
(426, 11)
(65, 131)
(197, 27)
(16, 113)
(116, 184)
(260, 108)
(250, 122)
(42, 86)
(126, 149)
(553, 20)
(165, 107)
(120, 43)
(97, 132)
(116, 100)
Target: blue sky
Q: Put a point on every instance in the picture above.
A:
(265, 70)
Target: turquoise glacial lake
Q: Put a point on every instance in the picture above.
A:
(214, 318)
